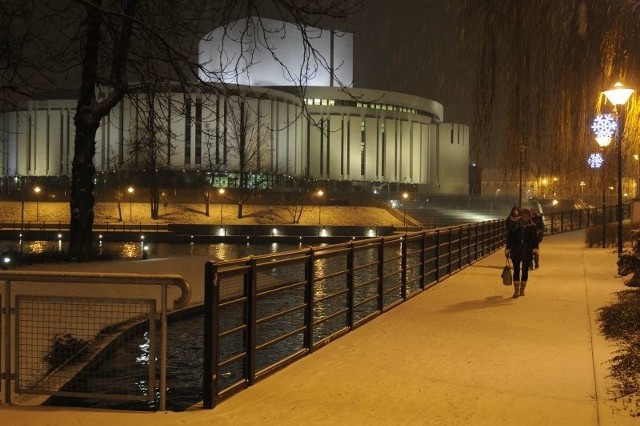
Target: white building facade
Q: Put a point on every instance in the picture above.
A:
(369, 137)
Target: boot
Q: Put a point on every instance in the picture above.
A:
(516, 289)
(523, 284)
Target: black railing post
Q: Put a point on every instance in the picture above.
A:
(211, 332)
(423, 243)
(449, 250)
(252, 330)
(437, 254)
(350, 285)
(460, 247)
(380, 288)
(476, 234)
(403, 262)
(309, 292)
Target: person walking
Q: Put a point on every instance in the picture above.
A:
(539, 222)
(522, 243)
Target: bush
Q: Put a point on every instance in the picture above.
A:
(65, 349)
(621, 321)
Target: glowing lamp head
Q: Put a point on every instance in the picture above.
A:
(603, 141)
(618, 95)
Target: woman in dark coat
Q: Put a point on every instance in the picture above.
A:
(522, 243)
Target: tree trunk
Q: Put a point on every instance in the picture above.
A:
(82, 200)
(89, 112)
(240, 210)
(155, 196)
(86, 124)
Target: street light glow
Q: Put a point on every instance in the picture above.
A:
(37, 190)
(618, 95)
(221, 192)
(130, 191)
(320, 193)
(404, 210)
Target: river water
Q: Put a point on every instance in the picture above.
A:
(134, 249)
(185, 337)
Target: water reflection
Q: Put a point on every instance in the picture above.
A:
(134, 250)
(130, 250)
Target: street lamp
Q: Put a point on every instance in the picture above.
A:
(637, 158)
(619, 95)
(221, 192)
(37, 191)
(603, 142)
(130, 191)
(320, 193)
(404, 212)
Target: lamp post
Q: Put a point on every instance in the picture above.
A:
(603, 142)
(522, 165)
(320, 194)
(618, 96)
(221, 192)
(404, 210)
(637, 158)
(130, 191)
(37, 191)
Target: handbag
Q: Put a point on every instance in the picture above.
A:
(507, 278)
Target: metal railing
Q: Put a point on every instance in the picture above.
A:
(51, 333)
(122, 226)
(564, 221)
(261, 313)
(264, 312)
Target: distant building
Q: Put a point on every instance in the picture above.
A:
(369, 138)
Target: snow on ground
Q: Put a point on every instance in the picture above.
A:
(195, 213)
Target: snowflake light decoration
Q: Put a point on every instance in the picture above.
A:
(604, 125)
(595, 160)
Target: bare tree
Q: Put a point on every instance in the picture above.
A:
(214, 164)
(150, 148)
(247, 149)
(116, 36)
(297, 199)
(100, 47)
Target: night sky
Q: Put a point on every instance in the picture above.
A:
(410, 46)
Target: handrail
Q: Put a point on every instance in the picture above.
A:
(105, 278)
(102, 277)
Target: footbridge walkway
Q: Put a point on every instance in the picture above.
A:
(462, 352)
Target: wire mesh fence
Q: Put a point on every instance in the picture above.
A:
(58, 340)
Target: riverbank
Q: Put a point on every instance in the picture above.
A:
(12, 212)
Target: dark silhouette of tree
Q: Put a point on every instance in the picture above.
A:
(540, 67)
(150, 148)
(247, 151)
(112, 41)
